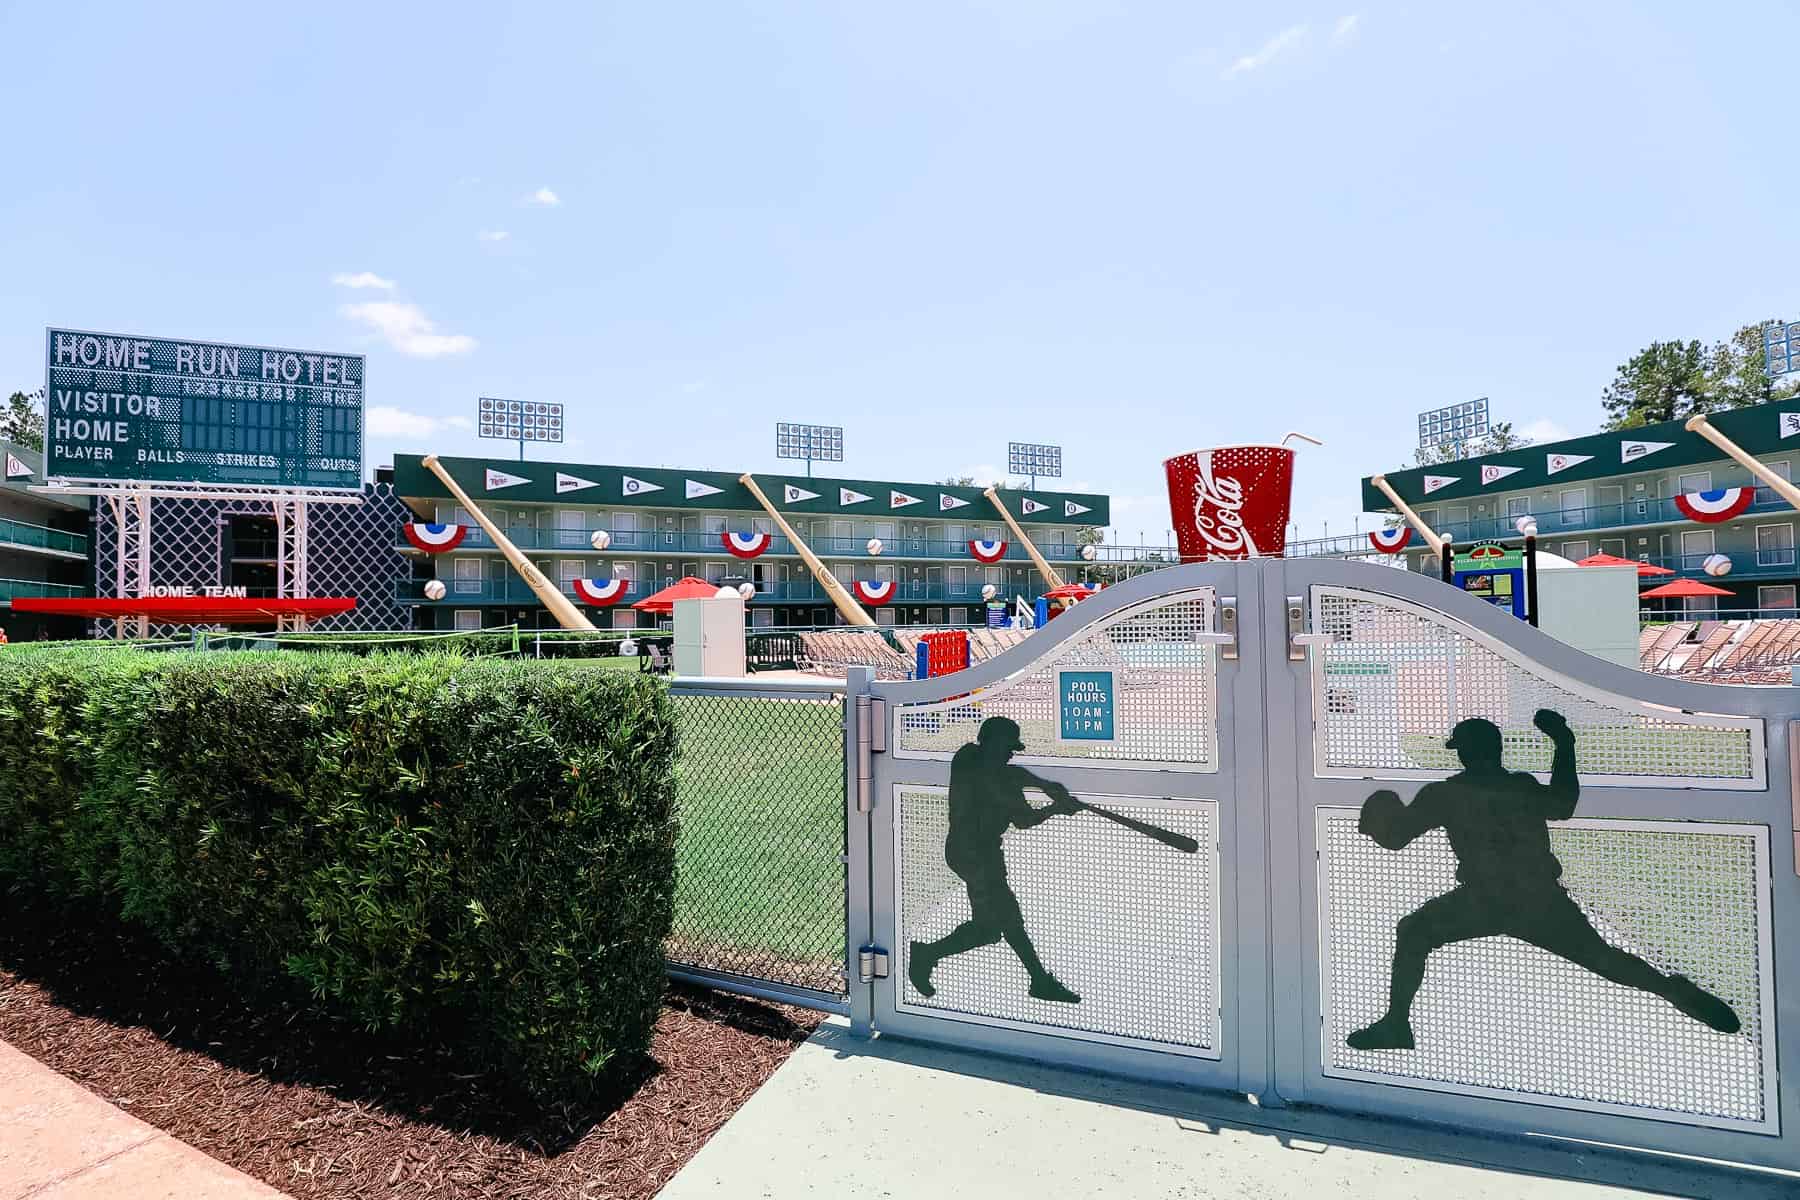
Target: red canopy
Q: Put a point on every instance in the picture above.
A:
(187, 610)
(689, 588)
(1070, 591)
(1685, 587)
(1613, 560)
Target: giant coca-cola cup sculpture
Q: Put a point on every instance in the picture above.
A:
(1232, 501)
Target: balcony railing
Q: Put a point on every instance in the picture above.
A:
(12, 589)
(513, 592)
(664, 542)
(41, 537)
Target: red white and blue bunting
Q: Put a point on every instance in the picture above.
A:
(1391, 541)
(601, 593)
(987, 552)
(1720, 504)
(435, 539)
(873, 594)
(745, 545)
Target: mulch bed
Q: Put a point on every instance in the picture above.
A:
(318, 1110)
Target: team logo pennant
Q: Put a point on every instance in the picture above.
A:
(1434, 482)
(745, 545)
(1029, 506)
(849, 496)
(1072, 509)
(1391, 541)
(1632, 451)
(1555, 464)
(1493, 474)
(794, 495)
(946, 502)
(16, 469)
(901, 500)
(601, 593)
(501, 479)
(572, 483)
(434, 539)
(631, 485)
(1790, 424)
(696, 489)
(1720, 504)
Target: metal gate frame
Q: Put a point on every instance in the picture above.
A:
(1270, 794)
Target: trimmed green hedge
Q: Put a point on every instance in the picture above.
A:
(462, 850)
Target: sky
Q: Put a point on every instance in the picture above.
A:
(1132, 230)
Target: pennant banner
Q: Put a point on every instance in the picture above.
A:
(1072, 509)
(631, 485)
(1632, 451)
(16, 469)
(434, 539)
(987, 552)
(1028, 506)
(901, 500)
(946, 502)
(746, 545)
(572, 483)
(1790, 424)
(1493, 474)
(794, 495)
(502, 479)
(696, 489)
(873, 594)
(1434, 482)
(1391, 541)
(1557, 463)
(601, 593)
(849, 496)
(1720, 504)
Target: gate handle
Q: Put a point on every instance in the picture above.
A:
(1300, 641)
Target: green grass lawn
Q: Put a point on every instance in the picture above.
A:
(760, 884)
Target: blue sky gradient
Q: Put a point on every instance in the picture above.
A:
(1131, 229)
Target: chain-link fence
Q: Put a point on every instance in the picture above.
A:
(760, 890)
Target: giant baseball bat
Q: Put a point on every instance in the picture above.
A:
(1176, 841)
(1044, 568)
(846, 604)
(1433, 540)
(565, 612)
(1787, 491)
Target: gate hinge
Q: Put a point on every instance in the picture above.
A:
(871, 739)
(872, 964)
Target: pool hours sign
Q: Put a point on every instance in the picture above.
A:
(122, 407)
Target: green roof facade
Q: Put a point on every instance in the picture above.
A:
(573, 484)
(1761, 430)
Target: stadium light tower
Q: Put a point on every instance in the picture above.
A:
(519, 421)
(1457, 424)
(1781, 348)
(814, 443)
(1032, 459)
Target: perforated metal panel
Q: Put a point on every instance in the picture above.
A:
(1499, 1017)
(1127, 923)
(1399, 676)
(1166, 683)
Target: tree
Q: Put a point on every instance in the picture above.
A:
(1662, 382)
(1500, 436)
(959, 481)
(23, 423)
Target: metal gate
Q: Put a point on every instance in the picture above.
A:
(1234, 909)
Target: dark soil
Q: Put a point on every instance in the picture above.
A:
(318, 1110)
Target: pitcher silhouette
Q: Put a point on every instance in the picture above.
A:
(1507, 878)
(987, 797)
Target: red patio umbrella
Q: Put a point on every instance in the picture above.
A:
(689, 588)
(1613, 560)
(1684, 587)
(1069, 591)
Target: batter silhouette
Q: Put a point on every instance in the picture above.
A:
(1506, 878)
(987, 797)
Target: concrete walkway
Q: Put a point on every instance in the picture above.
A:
(59, 1141)
(845, 1119)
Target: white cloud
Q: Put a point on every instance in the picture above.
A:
(384, 420)
(407, 329)
(1280, 44)
(493, 235)
(1346, 26)
(362, 279)
(1545, 430)
(545, 197)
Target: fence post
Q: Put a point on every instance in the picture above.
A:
(859, 891)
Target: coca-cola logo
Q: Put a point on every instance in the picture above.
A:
(1219, 515)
